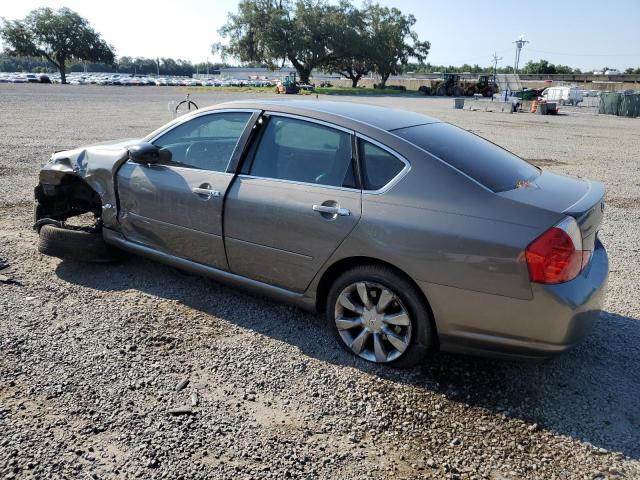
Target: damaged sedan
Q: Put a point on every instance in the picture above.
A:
(410, 234)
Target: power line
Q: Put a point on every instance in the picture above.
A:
(475, 59)
(588, 54)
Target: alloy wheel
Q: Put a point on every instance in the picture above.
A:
(372, 322)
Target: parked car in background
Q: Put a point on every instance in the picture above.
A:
(410, 234)
(82, 78)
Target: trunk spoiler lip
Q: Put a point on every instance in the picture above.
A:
(594, 194)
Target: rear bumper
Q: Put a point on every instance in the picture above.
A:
(555, 319)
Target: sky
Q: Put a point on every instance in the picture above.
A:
(586, 34)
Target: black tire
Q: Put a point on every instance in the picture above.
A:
(77, 245)
(423, 334)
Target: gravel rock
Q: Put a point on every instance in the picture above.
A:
(90, 355)
(184, 410)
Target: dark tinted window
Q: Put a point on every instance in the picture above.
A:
(205, 142)
(378, 166)
(292, 149)
(483, 161)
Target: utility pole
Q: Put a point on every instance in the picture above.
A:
(519, 44)
(207, 67)
(157, 67)
(496, 59)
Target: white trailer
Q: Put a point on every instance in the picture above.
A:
(563, 95)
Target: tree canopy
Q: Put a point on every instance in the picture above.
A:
(545, 67)
(315, 34)
(349, 43)
(59, 36)
(393, 42)
(276, 31)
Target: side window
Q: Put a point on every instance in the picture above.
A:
(378, 166)
(206, 142)
(292, 149)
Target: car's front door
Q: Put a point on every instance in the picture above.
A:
(294, 202)
(176, 206)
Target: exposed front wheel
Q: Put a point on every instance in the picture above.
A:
(77, 244)
(380, 316)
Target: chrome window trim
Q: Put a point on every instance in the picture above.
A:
(161, 166)
(296, 182)
(391, 132)
(399, 176)
(269, 113)
(386, 187)
(202, 114)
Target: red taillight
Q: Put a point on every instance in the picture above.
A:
(556, 256)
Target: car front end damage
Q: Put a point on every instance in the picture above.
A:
(80, 181)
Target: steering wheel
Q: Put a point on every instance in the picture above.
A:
(322, 177)
(196, 153)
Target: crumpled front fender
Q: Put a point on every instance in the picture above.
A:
(97, 166)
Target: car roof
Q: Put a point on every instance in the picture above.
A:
(341, 113)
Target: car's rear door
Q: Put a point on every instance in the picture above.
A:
(296, 199)
(176, 206)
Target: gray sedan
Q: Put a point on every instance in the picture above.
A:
(409, 233)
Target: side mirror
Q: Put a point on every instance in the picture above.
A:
(144, 153)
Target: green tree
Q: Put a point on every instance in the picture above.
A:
(275, 31)
(59, 36)
(350, 44)
(564, 69)
(545, 67)
(539, 67)
(393, 42)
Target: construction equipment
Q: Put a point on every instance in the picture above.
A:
(288, 84)
(482, 86)
(449, 86)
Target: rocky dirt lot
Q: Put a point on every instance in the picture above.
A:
(95, 359)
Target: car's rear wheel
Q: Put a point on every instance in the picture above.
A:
(380, 316)
(77, 244)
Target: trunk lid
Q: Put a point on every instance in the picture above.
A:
(579, 198)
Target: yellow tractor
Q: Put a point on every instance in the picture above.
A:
(482, 86)
(449, 86)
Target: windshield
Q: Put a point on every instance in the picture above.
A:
(485, 162)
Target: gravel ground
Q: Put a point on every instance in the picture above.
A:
(138, 370)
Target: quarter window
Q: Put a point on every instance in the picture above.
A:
(488, 164)
(379, 166)
(292, 149)
(206, 142)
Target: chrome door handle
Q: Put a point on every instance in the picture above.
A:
(206, 191)
(343, 212)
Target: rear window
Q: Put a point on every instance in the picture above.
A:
(488, 164)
